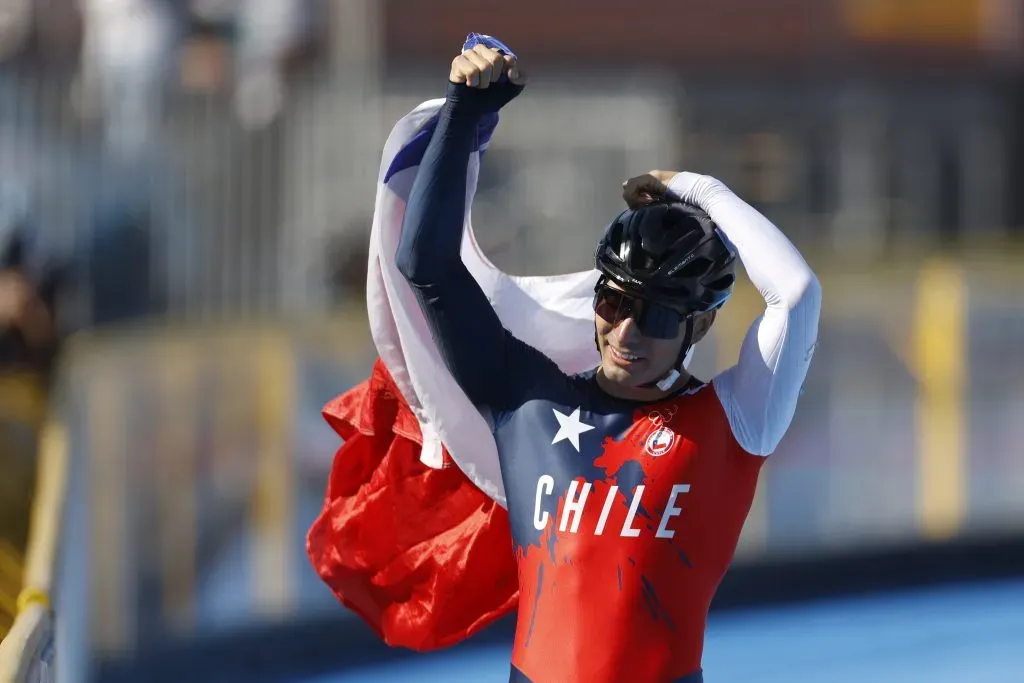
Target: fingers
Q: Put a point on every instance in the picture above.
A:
(493, 64)
(482, 66)
(462, 70)
(480, 76)
(512, 69)
(642, 190)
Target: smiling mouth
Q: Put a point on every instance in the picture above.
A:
(625, 356)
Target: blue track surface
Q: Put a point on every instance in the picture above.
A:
(962, 634)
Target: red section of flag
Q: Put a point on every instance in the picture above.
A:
(422, 555)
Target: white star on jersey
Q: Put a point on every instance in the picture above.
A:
(570, 427)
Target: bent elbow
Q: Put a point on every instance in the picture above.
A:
(812, 291)
(803, 292)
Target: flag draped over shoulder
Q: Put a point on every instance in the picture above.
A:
(554, 314)
(413, 535)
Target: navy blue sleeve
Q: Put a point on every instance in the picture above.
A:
(493, 367)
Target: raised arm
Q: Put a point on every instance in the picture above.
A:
(760, 392)
(489, 364)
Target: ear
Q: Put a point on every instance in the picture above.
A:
(702, 323)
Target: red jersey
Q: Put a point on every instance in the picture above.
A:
(618, 585)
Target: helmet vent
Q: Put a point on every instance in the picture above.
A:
(694, 268)
(723, 282)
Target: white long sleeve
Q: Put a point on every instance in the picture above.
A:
(760, 393)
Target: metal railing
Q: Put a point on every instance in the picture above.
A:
(27, 652)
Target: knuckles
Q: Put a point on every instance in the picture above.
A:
(467, 65)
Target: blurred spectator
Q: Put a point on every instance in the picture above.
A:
(120, 264)
(28, 298)
(15, 23)
(126, 53)
(37, 33)
(26, 321)
(268, 31)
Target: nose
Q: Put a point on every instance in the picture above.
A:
(627, 330)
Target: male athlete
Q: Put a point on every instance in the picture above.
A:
(625, 522)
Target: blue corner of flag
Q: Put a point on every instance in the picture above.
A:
(474, 39)
(412, 153)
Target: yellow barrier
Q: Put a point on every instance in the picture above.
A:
(939, 351)
(12, 569)
(24, 653)
(47, 511)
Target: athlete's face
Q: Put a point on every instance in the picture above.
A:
(628, 356)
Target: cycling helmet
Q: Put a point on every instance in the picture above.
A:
(670, 253)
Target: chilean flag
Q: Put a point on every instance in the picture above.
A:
(413, 535)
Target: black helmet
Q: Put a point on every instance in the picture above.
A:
(671, 253)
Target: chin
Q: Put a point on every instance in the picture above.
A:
(622, 376)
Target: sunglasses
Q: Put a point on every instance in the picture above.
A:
(652, 319)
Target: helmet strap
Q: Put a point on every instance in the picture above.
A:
(673, 375)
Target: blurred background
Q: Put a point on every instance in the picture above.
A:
(186, 192)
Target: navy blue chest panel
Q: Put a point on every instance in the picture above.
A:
(560, 438)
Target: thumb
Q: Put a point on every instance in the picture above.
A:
(515, 74)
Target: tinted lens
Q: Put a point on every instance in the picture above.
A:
(652, 320)
(659, 322)
(613, 305)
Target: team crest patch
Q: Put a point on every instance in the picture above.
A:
(660, 441)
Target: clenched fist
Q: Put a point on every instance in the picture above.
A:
(483, 80)
(481, 66)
